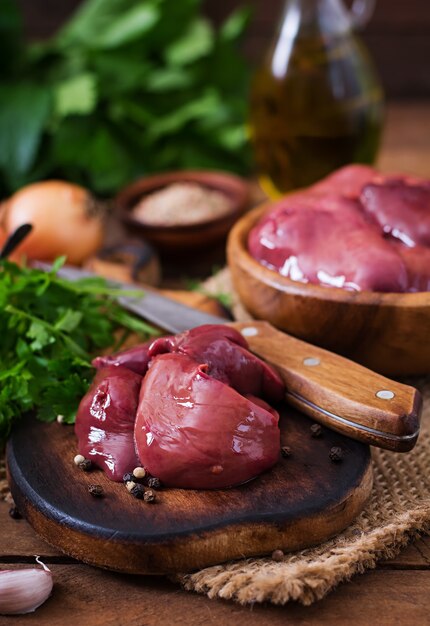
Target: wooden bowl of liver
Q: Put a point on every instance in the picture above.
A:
(182, 237)
(387, 332)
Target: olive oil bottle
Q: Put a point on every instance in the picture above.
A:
(316, 101)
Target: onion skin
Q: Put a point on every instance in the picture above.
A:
(63, 218)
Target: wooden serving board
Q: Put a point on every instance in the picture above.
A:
(304, 500)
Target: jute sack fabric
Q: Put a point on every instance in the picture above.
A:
(398, 510)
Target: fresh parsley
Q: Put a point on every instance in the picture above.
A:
(124, 89)
(49, 331)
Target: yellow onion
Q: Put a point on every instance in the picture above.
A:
(66, 220)
(2, 237)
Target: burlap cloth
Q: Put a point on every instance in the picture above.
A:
(398, 510)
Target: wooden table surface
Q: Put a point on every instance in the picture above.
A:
(397, 592)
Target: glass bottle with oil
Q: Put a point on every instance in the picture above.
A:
(316, 101)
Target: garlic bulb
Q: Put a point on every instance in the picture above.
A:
(23, 590)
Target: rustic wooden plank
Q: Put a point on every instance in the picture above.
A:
(415, 556)
(18, 539)
(405, 145)
(97, 598)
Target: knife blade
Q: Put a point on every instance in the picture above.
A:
(331, 389)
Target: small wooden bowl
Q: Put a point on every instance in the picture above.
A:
(387, 332)
(192, 236)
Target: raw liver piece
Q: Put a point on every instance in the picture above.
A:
(328, 241)
(135, 359)
(226, 353)
(194, 431)
(417, 261)
(105, 421)
(348, 181)
(401, 206)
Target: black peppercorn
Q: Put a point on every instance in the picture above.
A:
(316, 430)
(154, 483)
(128, 477)
(149, 496)
(14, 513)
(96, 490)
(285, 451)
(137, 491)
(278, 555)
(86, 465)
(336, 454)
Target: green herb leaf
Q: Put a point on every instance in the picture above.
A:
(91, 18)
(24, 110)
(128, 27)
(234, 27)
(195, 43)
(11, 44)
(48, 341)
(76, 95)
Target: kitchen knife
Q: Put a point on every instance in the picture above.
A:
(333, 390)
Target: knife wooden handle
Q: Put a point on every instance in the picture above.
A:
(337, 392)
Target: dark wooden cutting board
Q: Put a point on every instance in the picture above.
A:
(304, 500)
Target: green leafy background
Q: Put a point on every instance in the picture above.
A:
(124, 89)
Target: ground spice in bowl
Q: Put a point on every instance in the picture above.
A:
(181, 204)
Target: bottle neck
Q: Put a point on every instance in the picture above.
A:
(307, 19)
(314, 17)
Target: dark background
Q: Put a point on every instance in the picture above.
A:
(398, 35)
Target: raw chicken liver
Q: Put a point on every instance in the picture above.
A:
(327, 241)
(355, 229)
(401, 206)
(105, 421)
(226, 353)
(347, 181)
(195, 431)
(135, 359)
(201, 420)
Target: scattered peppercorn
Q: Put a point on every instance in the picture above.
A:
(138, 491)
(128, 477)
(285, 451)
(336, 454)
(139, 473)
(96, 490)
(86, 465)
(14, 513)
(130, 484)
(149, 496)
(60, 419)
(277, 555)
(79, 458)
(316, 430)
(154, 483)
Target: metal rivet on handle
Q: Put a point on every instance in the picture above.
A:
(311, 361)
(385, 394)
(249, 331)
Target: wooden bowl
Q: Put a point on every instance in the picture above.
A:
(387, 332)
(193, 236)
